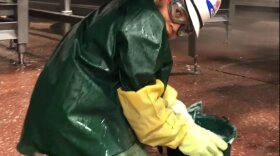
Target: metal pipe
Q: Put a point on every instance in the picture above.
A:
(55, 15)
(22, 28)
(66, 7)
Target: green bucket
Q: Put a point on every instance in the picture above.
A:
(220, 126)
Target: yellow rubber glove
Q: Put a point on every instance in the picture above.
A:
(198, 141)
(201, 142)
(170, 95)
(180, 108)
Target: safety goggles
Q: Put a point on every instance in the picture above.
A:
(179, 15)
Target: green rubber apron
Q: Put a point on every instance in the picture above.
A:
(74, 109)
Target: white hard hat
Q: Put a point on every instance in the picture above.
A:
(200, 11)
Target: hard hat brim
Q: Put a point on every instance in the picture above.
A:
(194, 16)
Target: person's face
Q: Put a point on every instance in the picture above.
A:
(176, 21)
(171, 28)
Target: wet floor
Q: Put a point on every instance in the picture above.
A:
(239, 80)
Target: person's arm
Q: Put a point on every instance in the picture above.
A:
(156, 124)
(153, 122)
(142, 61)
(142, 96)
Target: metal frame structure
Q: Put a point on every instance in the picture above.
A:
(62, 11)
(14, 24)
(259, 3)
(226, 16)
(253, 3)
(62, 6)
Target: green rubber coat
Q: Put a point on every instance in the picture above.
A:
(74, 109)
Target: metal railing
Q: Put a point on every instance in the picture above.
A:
(14, 24)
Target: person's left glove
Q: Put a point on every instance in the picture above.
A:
(180, 108)
(201, 142)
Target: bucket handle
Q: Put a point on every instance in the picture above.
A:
(225, 119)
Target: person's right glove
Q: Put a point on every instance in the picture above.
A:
(201, 142)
